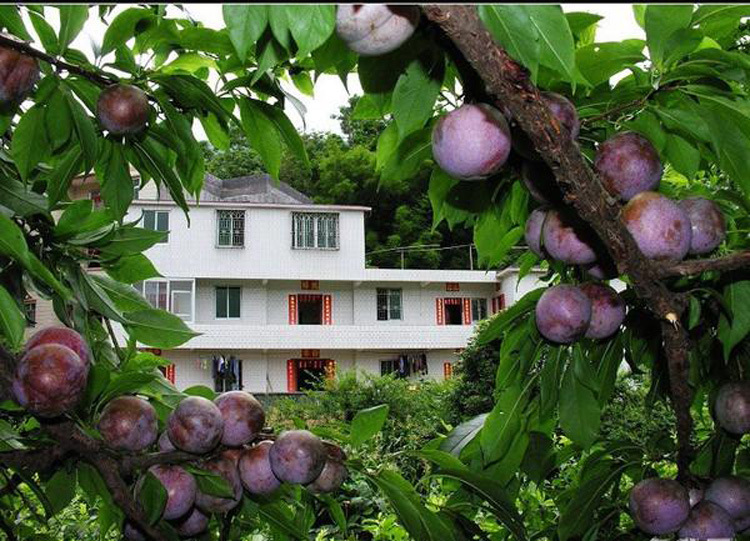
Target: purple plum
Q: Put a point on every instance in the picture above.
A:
(628, 164)
(180, 486)
(65, 336)
(243, 417)
(226, 468)
(193, 524)
(255, 470)
(660, 227)
(375, 29)
(567, 239)
(706, 222)
(733, 495)
(563, 313)
(128, 423)
(732, 407)
(707, 521)
(195, 425)
(607, 310)
(297, 456)
(533, 232)
(659, 506)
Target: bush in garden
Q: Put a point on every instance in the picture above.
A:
(676, 122)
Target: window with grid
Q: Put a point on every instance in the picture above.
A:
(157, 220)
(228, 302)
(389, 304)
(231, 225)
(315, 230)
(175, 296)
(478, 309)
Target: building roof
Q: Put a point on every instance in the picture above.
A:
(251, 189)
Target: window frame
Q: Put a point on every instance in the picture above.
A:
(216, 303)
(388, 292)
(234, 213)
(157, 213)
(314, 232)
(140, 287)
(479, 300)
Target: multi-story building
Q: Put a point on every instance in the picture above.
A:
(279, 290)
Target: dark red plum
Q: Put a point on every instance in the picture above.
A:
(563, 314)
(193, 524)
(471, 142)
(226, 468)
(195, 425)
(659, 506)
(243, 417)
(706, 222)
(567, 239)
(128, 423)
(50, 380)
(18, 75)
(297, 456)
(180, 486)
(58, 334)
(334, 472)
(733, 495)
(628, 164)
(255, 470)
(122, 109)
(540, 181)
(375, 29)
(732, 408)
(661, 228)
(164, 444)
(565, 113)
(533, 231)
(607, 310)
(707, 521)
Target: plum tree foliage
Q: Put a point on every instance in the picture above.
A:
(646, 176)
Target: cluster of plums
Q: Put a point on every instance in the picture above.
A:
(663, 506)
(50, 380)
(122, 109)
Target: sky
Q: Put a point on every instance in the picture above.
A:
(330, 94)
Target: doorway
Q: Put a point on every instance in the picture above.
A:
(453, 312)
(310, 310)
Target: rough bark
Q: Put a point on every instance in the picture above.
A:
(509, 83)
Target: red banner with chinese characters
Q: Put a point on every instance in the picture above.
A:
(292, 309)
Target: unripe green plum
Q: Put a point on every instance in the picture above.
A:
(50, 380)
(123, 109)
(297, 456)
(563, 314)
(196, 425)
(128, 423)
(471, 142)
(659, 506)
(375, 29)
(660, 227)
(243, 417)
(628, 164)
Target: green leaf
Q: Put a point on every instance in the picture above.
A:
(245, 24)
(126, 383)
(12, 241)
(600, 61)
(311, 25)
(72, 19)
(583, 26)
(18, 198)
(556, 46)
(46, 33)
(153, 497)
(122, 28)
(10, 19)
(206, 40)
(278, 21)
(289, 134)
(201, 390)
(683, 156)
(416, 92)
(12, 320)
(262, 134)
(511, 27)
(41, 271)
(85, 131)
(502, 320)
(694, 313)
(60, 489)
(29, 145)
(737, 297)
(368, 422)
(157, 328)
(463, 434)
(580, 414)
(123, 296)
(216, 133)
(114, 177)
(130, 241)
(211, 484)
(159, 168)
(661, 21)
(408, 157)
(131, 269)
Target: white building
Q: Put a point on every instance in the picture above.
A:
(278, 288)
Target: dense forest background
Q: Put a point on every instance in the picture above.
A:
(344, 172)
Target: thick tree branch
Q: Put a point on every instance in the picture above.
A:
(509, 82)
(93, 76)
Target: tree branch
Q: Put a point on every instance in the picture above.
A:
(509, 82)
(93, 76)
(696, 266)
